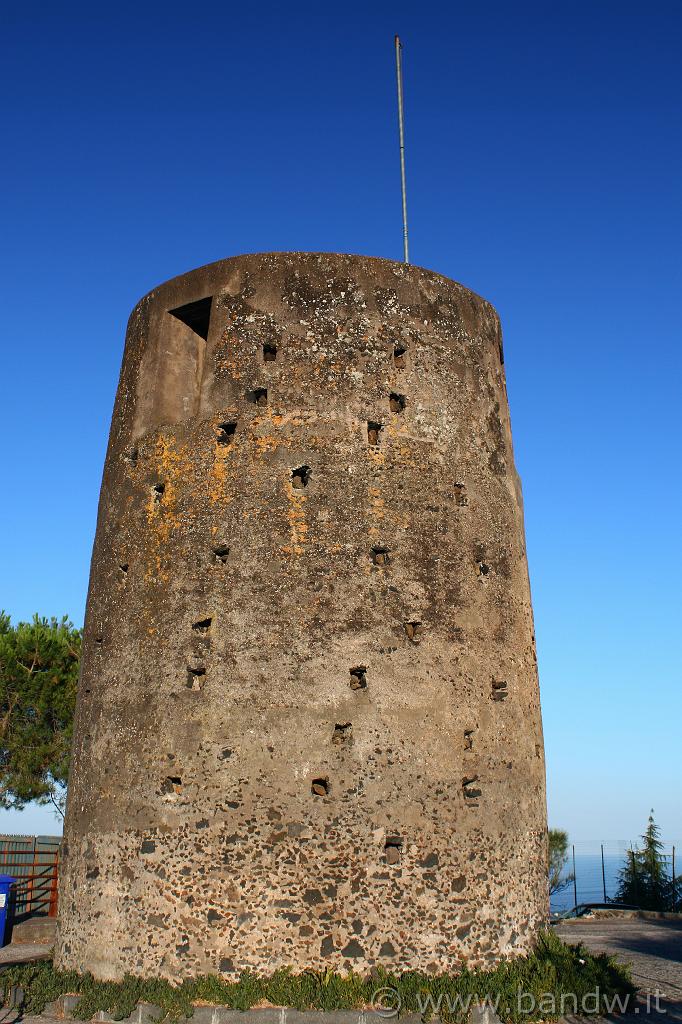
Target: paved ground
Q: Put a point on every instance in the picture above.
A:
(652, 948)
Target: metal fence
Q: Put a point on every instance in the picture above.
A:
(597, 866)
(34, 861)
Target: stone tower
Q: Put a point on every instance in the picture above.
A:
(308, 728)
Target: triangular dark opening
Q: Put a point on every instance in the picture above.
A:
(196, 315)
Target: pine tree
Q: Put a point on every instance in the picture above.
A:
(644, 881)
(38, 676)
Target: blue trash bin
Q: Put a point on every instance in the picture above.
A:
(6, 883)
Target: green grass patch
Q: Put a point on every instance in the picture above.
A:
(541, 986)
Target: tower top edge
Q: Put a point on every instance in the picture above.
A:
(210, 275)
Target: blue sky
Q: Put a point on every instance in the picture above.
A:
(543, 159)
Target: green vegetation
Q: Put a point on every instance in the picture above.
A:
(38, 676)
(557, 851)
(644, 880)
(553, 972)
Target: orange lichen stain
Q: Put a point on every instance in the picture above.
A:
(216, 487)
(222, 471)
(270, 444)
(296, 517)
(376, 455)
(172, 468)
(221, 475)
(407, 455)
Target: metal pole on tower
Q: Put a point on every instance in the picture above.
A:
(401, 129)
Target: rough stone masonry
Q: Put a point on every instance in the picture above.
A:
(308, 729)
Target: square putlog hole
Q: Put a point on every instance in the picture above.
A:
(399, 356)
(413, 631)
(373, 433)
(500, 690)
(269, 352)
(157, 493)
(397, 402)
(224, 433)
(469, 789)
(380, 555)
(300, 477)
(343, 734)
(461, 498)
(202, 626)
(358, 678)
(393, 849)
(220, 554)
(196, 676)
(320, 787)
(259, 396)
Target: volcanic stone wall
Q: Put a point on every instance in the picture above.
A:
(308, 730)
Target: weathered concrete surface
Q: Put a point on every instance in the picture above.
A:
(308, 728)
(23, 953)
(35, 930)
